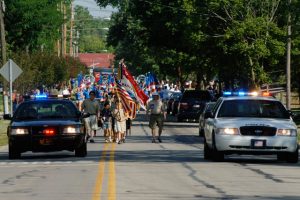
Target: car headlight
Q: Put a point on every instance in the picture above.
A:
(19, 131)
(71, 130)
(287, 132)
(228, 131)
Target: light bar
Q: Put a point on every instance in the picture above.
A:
(41, 96)
(242, 93)
(227, 93)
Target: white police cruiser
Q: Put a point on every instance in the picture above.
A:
(245, 123)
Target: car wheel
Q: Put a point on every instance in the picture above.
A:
(281, 157)
(81, 151)
(217, 156)
(292, 157)
(201, 132)
(207, 151)
(13, 153)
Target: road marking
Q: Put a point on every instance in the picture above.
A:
(100, 175)
(112, 175)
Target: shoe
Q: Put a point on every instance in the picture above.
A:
(153, 141)
(106, 140)
(159, 140)
(123, 140)
(92, 141)
(119, 142)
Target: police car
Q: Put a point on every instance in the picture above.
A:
(44, 124)
(246, 123)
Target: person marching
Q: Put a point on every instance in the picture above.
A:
(157, 116)
(120, 121)
(107, 119)
(91, 106)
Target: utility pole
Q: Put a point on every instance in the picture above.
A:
(64, 30)
(71, 30)
(288, 58)
(3, 41)
(2, 29)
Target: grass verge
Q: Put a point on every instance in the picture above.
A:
(3, 128)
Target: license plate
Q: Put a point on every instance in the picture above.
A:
(46, 141)
(258, 143)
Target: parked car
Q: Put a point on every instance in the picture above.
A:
(192, 103)
(174, 97)
(208, 108)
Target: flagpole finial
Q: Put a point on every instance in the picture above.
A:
(121, 61)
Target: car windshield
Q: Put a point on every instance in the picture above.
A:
(196, 94)
(253, 108)
(45, 110)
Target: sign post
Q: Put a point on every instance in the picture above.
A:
(10, 71)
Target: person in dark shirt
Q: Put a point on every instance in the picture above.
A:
(107, 120)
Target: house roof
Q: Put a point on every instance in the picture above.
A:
(98, 60)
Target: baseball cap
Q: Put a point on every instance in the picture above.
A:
(155, 94)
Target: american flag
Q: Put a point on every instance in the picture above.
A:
(128, 103)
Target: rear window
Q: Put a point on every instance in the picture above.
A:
(197, 94)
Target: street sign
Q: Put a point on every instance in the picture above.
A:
(16, 70)
(10, 71)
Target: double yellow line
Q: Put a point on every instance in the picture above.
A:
(111, 194)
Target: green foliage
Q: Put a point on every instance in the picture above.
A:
(92, 31)
(43, 69)
(31, 24)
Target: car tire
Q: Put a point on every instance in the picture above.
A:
(292, 157)
(281, 157)
(207, 151)
(13, 153)
(201, 132)
(217, 156)
(81, 151)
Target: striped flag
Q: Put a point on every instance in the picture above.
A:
(128, 103)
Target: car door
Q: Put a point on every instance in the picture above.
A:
(210, 123)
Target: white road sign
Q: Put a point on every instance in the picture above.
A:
(16, 70)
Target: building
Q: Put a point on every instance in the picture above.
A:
(97, 60)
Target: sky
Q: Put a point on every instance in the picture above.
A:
(94, 9)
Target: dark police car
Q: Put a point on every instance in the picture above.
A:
(45, 125)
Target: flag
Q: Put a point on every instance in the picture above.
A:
(128, 103)
(139, 93)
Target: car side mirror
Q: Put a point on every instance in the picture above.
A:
(7, 117)
(208, 114)
(296, 117)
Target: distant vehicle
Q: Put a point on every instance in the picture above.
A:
(174, 97)
(46, 125)
(250, 125)
(192, 103)
(208, 108)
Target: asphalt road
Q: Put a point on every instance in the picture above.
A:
(138, 169)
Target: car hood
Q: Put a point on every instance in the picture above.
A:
(45, 122)
(238, 122)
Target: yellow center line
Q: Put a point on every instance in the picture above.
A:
(112, 175)
(100, 175)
